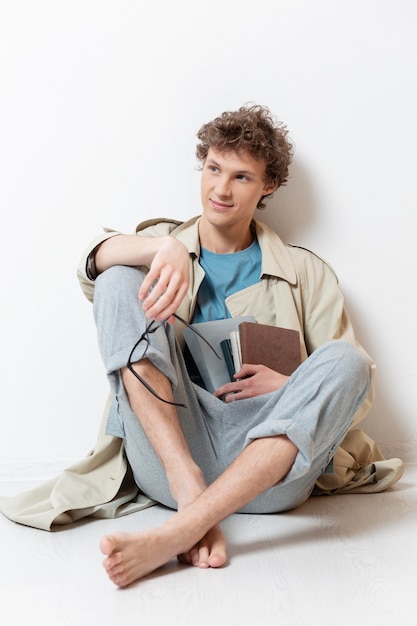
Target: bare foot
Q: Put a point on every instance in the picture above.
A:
(210, 551)
(131, 556)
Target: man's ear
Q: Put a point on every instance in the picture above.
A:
(270, 188)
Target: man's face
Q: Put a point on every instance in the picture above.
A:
(231, 187)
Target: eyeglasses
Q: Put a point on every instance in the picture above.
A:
(152, 327)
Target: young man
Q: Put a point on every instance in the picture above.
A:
(264, 446)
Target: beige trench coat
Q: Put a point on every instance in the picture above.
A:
(297, 290)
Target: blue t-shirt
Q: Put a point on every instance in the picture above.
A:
(225, 274)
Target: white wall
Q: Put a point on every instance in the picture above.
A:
(99, 106)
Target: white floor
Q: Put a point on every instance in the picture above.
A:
(345, 560)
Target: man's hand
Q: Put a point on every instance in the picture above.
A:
(167, 281)
(251, 381)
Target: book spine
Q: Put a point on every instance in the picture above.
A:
(236, 352)
(226, 347)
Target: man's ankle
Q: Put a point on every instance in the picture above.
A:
(186, 484)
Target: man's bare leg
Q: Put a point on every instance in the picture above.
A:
(262, 464)
(162, 427)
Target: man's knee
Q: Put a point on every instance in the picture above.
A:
(118, 313)
(118, 278)
(349, 360)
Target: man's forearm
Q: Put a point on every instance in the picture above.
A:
(167, 260)
(126, 250)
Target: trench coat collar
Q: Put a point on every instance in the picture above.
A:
(276, 260)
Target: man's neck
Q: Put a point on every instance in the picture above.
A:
(224, 240)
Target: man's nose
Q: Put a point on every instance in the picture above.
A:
(223, 187)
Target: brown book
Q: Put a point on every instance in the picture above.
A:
(277, 348)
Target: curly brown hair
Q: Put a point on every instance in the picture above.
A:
(251, 129)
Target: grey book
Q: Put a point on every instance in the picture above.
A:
(213, 370)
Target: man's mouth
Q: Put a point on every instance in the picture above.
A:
(220, 206)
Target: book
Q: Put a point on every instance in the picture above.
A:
(226, 346)
(236, 352)
(213, 370)
(277, 348)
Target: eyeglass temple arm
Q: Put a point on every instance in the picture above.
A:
(149, 388)
(193, 328)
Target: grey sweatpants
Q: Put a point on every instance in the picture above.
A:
(314, 408)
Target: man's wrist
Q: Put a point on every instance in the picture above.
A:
(90, 266)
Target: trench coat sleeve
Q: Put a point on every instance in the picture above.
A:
(84, 278)
(100, 485)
